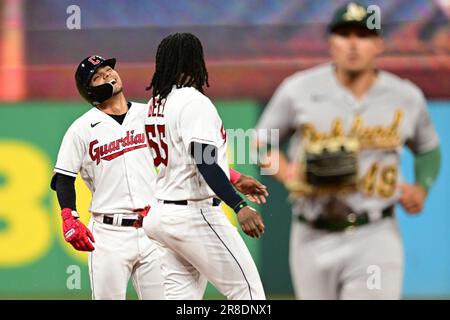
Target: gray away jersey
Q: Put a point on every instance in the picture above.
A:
(392, 113)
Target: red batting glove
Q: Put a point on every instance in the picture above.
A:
(75, 232)
(142, 213)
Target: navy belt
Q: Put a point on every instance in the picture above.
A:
(351, 220)
(215, 202)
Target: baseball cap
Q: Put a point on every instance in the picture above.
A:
(353, 14)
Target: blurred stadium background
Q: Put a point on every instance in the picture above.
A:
(250, 46)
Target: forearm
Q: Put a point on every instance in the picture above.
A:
(426, 168)
(65, 191)
(216, 178)
(219, 183)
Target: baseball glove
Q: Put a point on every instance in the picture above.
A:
(330, 166)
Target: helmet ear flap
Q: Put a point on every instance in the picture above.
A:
(101, 93)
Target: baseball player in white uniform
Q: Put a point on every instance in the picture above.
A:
(346, 245)
(188, 143)
(107, 146)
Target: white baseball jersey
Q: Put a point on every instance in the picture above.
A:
(113, 159)
(185, 116)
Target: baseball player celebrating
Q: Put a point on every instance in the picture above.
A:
(345, 243)
(107, 146)
(188, 143)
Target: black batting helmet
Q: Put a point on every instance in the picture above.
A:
(83, 75)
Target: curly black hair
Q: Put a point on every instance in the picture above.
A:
(179, 62)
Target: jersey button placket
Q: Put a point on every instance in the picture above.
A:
(124, 157)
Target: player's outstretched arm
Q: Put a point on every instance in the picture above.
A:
(205, 157)
(254, 190)
(74, 231)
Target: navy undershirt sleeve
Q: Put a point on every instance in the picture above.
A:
(65, 190)
(205, 156)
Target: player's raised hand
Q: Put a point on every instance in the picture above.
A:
(254, 190)
(251, 222)
(412, 197)
(75, 232)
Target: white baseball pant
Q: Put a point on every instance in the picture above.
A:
(122, 252)
(198, 243)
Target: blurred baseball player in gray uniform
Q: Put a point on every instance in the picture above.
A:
(346, 244)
